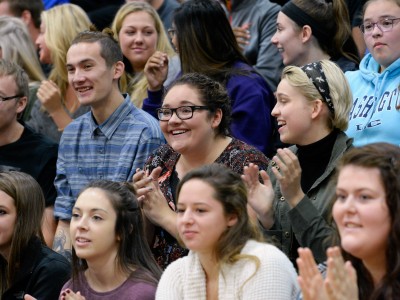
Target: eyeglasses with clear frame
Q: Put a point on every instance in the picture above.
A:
(171, 33)
(384, 25)
(3, 99)
(182, 112)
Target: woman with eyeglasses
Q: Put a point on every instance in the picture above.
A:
(313, 30)
(195, 119)
(375, 87)
(204, 40)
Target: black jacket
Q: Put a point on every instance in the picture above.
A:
(42, 274)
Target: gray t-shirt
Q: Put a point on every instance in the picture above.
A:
(41, 122)
(131, 289)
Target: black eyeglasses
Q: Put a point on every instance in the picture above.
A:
(171, 33)
(2, 99)
(384, 25)
(182, 112)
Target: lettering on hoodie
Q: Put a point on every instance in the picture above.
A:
(362, 107)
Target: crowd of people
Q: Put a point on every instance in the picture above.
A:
(199, 149)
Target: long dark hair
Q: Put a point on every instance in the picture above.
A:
(386, 158)
(206, 43)
(134, 251)
(29, 203)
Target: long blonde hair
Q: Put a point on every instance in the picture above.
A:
(16, 45)
(63, 23)
(136, 84)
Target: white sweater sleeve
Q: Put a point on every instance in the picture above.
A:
(170, 285)
(275, 278)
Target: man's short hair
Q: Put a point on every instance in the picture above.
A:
(9, 68)
(109, 47)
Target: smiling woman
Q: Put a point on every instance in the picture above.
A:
(366, 210)
(140, 33)
(195, 119)
(312, 110)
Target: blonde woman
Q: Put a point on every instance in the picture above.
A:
(16, 45)
(140, 33)
(313, 104)
(58, 104)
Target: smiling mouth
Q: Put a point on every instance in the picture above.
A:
(178, 132)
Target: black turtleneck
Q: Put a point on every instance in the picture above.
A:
(314, 158)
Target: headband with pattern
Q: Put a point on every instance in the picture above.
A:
(317, 76)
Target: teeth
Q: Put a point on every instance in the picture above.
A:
(351, 225)
(82, 240)
(178, 132)
(280, 49)
(281, 123)
(83, 89)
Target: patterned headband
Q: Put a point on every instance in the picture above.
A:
(317, 76)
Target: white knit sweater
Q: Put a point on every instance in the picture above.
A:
(274, 280)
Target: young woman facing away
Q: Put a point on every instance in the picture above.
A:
(27, 266)
(140, 33)
(111, 258)
(226, 258)
(366, 211)
(375, 87)
(313, 30)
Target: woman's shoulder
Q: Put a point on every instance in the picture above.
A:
(238, 154)
(164, 156)
(54, 261)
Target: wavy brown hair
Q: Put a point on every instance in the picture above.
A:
(231, 192)
(386, 158)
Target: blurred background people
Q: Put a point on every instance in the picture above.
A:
(58, 104)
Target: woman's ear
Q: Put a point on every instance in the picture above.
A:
(216, 119)
(317, 107)
(232, 220)
(306, 33)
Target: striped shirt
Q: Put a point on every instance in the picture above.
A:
(112, 151)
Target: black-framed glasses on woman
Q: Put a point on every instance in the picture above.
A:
(3, 99)
(384, 25)
(182, 112)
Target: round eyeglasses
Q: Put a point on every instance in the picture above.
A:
(182, 112)
(384, 25)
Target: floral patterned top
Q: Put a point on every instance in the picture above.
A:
(236, 156)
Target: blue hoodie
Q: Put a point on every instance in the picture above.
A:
(373, 117)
